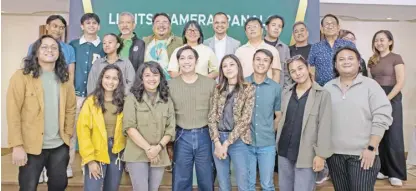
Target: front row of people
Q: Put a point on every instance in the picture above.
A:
(228, 123)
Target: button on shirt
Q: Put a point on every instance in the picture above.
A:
(220, 47)
(292, 129)
(321, 56)
(268, 95)
(86, 53)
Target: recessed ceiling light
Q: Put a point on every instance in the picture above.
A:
(389, 18)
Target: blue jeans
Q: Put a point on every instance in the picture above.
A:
(265, 156)
(111, 173)
(192, 147)
(237, 154)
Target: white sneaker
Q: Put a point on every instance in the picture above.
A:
(45, 176)
(41, 178)
(381, 176)
(395, 182)
(69, 173)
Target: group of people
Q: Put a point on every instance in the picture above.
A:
(264, 106)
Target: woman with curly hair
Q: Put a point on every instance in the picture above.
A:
(40, 116)
(149, 124)
(99, 130)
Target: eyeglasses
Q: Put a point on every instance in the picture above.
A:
(46, 48)
(195, 31)
(327, 25)
(297, 57)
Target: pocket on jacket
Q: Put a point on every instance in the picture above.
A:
(143, 115)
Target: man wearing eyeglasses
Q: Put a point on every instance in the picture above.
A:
(161, 44)
(254, 31)
(320, 56)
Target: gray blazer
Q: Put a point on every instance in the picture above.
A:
(230, 46)
(315, 139)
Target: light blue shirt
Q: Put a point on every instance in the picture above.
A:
(267, 101)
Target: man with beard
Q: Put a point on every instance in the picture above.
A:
(221, 43)
(301, 35)
(133, 47)
(161, 44)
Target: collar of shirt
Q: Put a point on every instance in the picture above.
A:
(96, 42)
(105, 59)
(251, 80)
(222, 40)
(248, 44)
(358, 80)
(148, 100)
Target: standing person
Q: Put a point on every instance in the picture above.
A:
(321, 53)
(161, 44)
(262, 150)
(56, 27)
(112, 45)
(304, 133)
(133, 48)
(99, 129)
(207, 62)
(254, 32)
(229, 123)
(191, 93)
(149, 123)
(361, 113)
(40, 116)
(300, 34)
(221, 43)
(274, 26)
(348, 35)
(387, 68)
(88, 48)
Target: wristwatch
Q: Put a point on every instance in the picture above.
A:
(370, 148)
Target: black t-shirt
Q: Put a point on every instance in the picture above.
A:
(271, 43)
(304, 51)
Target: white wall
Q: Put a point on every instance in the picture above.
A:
(17, 32)
(404, 44)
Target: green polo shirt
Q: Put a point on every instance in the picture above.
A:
(125, 51)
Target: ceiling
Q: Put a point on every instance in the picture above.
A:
(363, 12)
(370, 12)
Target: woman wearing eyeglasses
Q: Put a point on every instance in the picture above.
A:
(207, 62)
(303, 138)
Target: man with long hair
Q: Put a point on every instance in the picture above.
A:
(40, 116)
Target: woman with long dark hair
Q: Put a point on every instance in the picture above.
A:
(193, 36)
(361, 113)
(388, 69)
(229, 123)
(99, 130)
(40, 115)
(149, 124)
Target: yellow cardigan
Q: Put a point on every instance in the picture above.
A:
(92, 134)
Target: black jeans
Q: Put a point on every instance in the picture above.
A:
(55, 160)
